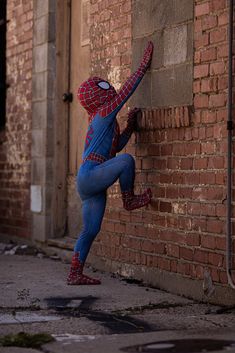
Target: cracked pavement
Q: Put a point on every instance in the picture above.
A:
(105, 318)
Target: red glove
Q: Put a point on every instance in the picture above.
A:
(132, 118)
(147, 58)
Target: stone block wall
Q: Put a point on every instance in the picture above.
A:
(169, 25)
(15, 138)
(180, 147)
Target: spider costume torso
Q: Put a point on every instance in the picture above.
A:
(100, 168)
(103, 139)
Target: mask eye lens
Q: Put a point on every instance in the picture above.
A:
(104, 85)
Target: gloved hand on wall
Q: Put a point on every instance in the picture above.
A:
(147, 57)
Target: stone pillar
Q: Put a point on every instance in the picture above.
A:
(43, 103)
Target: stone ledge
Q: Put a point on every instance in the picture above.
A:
(165, 118)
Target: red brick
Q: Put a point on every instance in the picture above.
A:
(207, 178)
(202, 133)
(208, 117)
(222, 51)
(202, 9)
(147, 246)
(160, 164)
(208, 209)
(172, 192)
(198, 25)
(194, 208)
(208, 22)
(222, 147)
(215, 226)
(201, 101)
(197, 57)
(219, 35)
(221, 243)
(223, 277)
(218, 68)
(173, 250)
(179, 149)
(209, 132)
(223, 19)
(223, 82)
(200, 256)
(198, 224)
(215, 259)
(126, 6)
(220, 210)
(217, 100)
(176, 178)
(209, 85)
(216, 5)
(166, 149)
(201, 163)
(147, 163)
(183, 268)
(108, 226)
(192, 178)
(193, 239)
(214, 275)
(196, 86)
(208, 241)
(165, 206)
(208, 54)
(186, 164)
(220, 178)
(201, 40)
(164, 264)
(159, 248)
(186, 254)
(208, 147)
(149, 261)
(173, 266)
(201, 70)
(215, 193)
(120, 227)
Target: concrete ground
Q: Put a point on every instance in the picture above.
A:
(116, 316)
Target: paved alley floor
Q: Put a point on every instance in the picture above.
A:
(116, 316)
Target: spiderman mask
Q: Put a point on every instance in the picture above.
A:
(94, 93)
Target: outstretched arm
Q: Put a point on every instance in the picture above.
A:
(127, 132)
(131, 84)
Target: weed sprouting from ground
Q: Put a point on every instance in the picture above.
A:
(26, 340)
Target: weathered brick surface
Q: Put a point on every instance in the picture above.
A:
(15, 140)
(183, 230)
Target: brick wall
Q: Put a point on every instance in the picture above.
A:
(15, 139)
(210, 98)
(184, 161)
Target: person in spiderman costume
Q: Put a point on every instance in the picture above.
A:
(101, 167)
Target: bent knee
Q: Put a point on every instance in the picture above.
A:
(128, 159)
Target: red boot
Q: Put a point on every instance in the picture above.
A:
(76, 276)
(132, 202)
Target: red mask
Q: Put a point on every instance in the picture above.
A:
(94, 93)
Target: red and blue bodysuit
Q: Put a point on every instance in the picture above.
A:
(101, 168)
